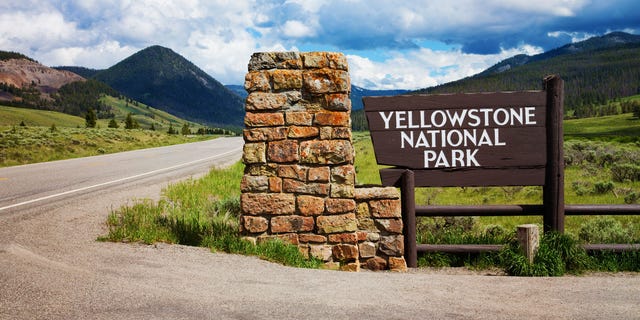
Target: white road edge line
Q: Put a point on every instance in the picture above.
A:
(118, 180)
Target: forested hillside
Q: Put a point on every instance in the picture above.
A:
(593, 77)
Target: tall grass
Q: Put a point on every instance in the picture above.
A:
(199, 212)
(23, 145)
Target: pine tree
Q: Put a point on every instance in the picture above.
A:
(90, 118)
(185, 130)
(113, 123)
(130, 122)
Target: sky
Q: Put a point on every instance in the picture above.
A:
(389, 44)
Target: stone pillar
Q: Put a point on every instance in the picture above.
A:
(299, 177)
(299, 181)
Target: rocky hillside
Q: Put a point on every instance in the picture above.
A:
(22, 73)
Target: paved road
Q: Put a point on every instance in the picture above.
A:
(35, 184)
(51, 267)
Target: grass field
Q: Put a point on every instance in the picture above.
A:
(10, 116)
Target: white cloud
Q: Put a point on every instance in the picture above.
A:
(296, 29)
(424, 67)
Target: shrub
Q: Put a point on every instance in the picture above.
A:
(625, 171)
(603, 187)
(603, 229)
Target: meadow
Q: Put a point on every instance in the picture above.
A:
(205, 212)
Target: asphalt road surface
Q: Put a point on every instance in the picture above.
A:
(51, 267)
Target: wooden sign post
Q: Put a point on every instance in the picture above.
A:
(477, 139)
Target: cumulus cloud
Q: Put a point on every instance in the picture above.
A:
(387, 42)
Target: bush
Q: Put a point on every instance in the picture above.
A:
(625, 171)
(603, 187)
(603, 229)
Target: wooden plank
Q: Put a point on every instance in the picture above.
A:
(459, 248)
(613, 247)
(468, 177)
(602, 209)
(485, 210)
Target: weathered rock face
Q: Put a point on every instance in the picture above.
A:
(299, 183)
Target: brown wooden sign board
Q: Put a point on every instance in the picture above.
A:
(478, 139)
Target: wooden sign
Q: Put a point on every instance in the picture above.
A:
(479, 139)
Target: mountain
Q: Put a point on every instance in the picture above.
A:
(161, 78)
(357, 93)
(81, 71)
(610, 40)
(238, 89)
(595, 71)
(21, 71)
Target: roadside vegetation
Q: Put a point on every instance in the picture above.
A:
(31, 136)
(199, 212)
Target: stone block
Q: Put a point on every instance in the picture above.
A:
(300, 187)
(257, 81)
(326, 133)
(293, 171)
(288, 60)
(342, 190)
(310, 205)
(351, 267)
(326, 152)
(314, 60)
(311, 238)
(258, 101)
(332, 118)
(254, 153)
(268, 169)
(337, 205)
(367, 249)
(337, 102)
(337, 223)
(337, 60)
(373, 236)
(344, 252)
(389, 225)
(298, 118)
(283, 151)
(386, 208)
(370, 193)
(254, 183)
(302, 132)
(376, 264)
(362, 235)
(322, 252)
(392, 246)
(255, 224)
(268, 203)
(265, 134)
(344, 174)
(288, 238)
(362, 210)
(397, 264)
(286, 79)
(318, 174)
(367, 224)
(350, 238)
(341, 133)
(262, 61)
(320, 81)
(252, 119)
(275, 184)
(287, 224)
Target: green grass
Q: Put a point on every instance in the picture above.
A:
(31, 144)
(622, 128)
(10, 116)
(199, 212)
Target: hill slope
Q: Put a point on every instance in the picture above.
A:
(161, 78)
(595, 71)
